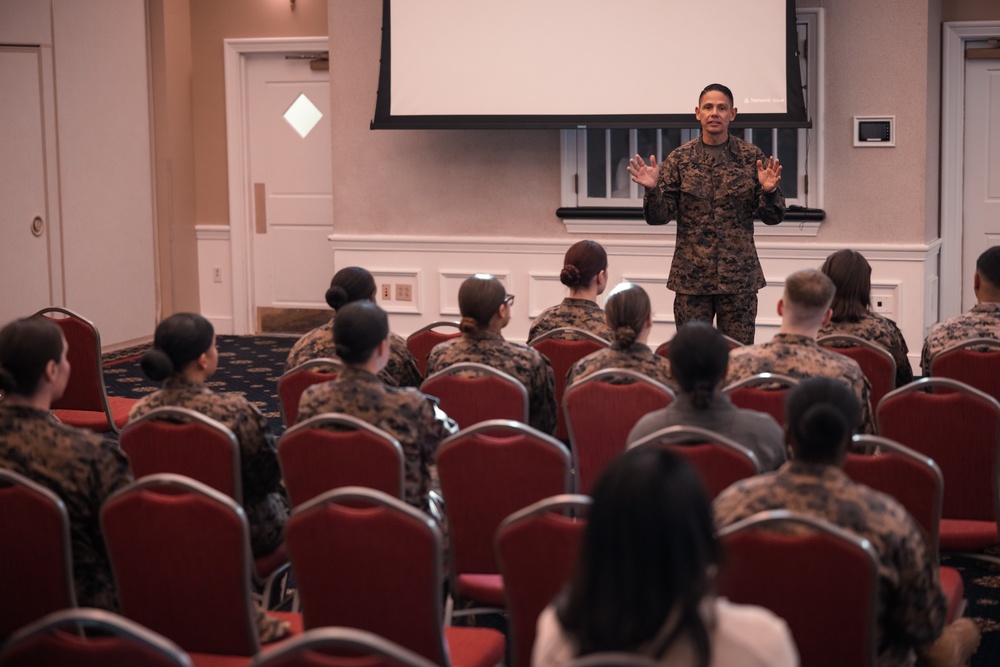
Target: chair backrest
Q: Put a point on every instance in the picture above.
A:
(296, 380)
(817, 580)
(366, 560)
(975, 362)
(180, 552)
(663, 349)
(184, 442)
(960, 431)
(764, 392)
(333, 450)
(339, 647)
(877, 363)
(910, 477)
(563, 347)
(719, 460)
(537, 549)
(422, 341)
(600, 413)
(36, 562)
(489, 471)
(90, 638)
(471, 393)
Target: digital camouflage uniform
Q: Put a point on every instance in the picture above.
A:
(714, 196)
(638, 358)
(577, 313)
(881, 331)
(264, 498)
(519, 361)
(911, 610)
(982, 321)
(801, 357)
(411, 417)
(83, 469)
(400, 371)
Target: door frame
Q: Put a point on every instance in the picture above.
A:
(235, 59)
(954, 36)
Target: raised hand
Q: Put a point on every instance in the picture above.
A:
(770, 176)
(643, 174)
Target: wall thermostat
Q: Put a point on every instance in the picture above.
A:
(875, 131)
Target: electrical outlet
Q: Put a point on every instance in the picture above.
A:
(217, 274)
(387, 292)
(404, 292)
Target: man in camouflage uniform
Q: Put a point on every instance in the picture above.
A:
(912, 605)
(983, 321)
(575, 313)
(713, 186)
(793, 351)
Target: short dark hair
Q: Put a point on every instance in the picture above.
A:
(583, 261)
(822, 414)
(852, 277)
(699, 357)
(627, 311)
(358, 329)
(352, 283)
(988, 266)
(479, 298)
(178, 340)
(27, 345)
(718, 87)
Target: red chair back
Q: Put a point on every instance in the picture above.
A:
(36, 562)
(537, 549)
(597, 434)
(471, 393)
(877, 363)
(422, 341)
(764, 392)
(329, 451)
(293, 382)
(975, 362)
(817, 580)
(339, 647)
(562, 352)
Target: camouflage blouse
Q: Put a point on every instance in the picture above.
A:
(577, 313)
(881, 331)
(638, 358)
(982, 321)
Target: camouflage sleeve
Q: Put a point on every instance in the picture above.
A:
(402, 366)
(659, 205)
(865, 398)
(925, 359)
(258, 453)
(919, 611)
(899, 350)
(770, 205)
(109, 471)
(541, 399)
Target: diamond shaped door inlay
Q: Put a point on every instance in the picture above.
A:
(303, 115)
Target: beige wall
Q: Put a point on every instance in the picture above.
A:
(970, 10)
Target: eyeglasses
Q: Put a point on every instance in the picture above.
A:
(508, 300)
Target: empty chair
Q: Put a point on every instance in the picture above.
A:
(339, 647)
(537, 548)
(764, 392)
(86, 403)
(975, 362)
(293, 382)
(422, 341)
(333, 450)
(876, 362)
(471, 393)
(563, 347)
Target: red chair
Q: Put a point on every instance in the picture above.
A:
(719, 460)
(90, 638)
(663, 349)
(975, 362)
(36, 561)
(763, 392)
(817, 577)
(563, 347)
(423, 340)
(293, 382)
(339, 647)
(537, 549)
(916, 482)
(598, 432)
(369, 561)
(86, 403)
(333, 450)
(471, 393)
(488, 472)
(960, 430)
(876, 362)
(180, 552)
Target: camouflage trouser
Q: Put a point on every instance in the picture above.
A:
(735, 313)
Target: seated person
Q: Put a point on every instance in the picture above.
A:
(630, 318)
(348, 285)
(79, 466)
(585, 273)
(644, 580)
(184, 356)
(852, 314)
(793, 351)
(485, 307)
(983, 321)
(360, 333)
(699, 355)
(822, 414)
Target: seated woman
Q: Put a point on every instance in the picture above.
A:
(348, 285)
(485, 307)
(852, 313)
(360, 333)
(585, 273)
(184, 356)
(630, 318)
(645, 577)
(699, 357)
(79, 466)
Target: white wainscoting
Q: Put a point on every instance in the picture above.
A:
(216, 298)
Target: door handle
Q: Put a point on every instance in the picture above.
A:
(37, 226)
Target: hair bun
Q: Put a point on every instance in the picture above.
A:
(337, 296)
(823, 424)
(624, 337)
(570, 276)
(156, 364)
(468, 325)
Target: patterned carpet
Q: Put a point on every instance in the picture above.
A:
(251, 365)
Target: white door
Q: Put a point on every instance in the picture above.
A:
(31, 255)
(981, 199)
(291, 182)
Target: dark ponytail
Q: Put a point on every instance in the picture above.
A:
(350, 284)
(179, 340)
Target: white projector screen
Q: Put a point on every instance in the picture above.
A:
(592, 63)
